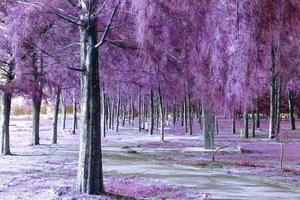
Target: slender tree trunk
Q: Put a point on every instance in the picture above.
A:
(186, 114)
(174, 113)
(55, 117)
(162, 122)
(140, 112)
(104, 113)
(64, 113)
(253, 124)
(190, 118)
(234, 123)
(118, 112)
(124, 114)
(113, 111)
(157, 112)
(217, 125)
(5, 121)
(208, 127)
(273, 90)
(130, 112)
(151, 112)
(278, 102)
(246, 124)
(109, 113)
(36, 109)
(144, 113)
(292, 109)
(90, 175)
(74, 124)
(257, 114)
(182, 113)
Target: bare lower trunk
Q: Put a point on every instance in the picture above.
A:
(36, 109)
(257, 115)
(118, 112)
(55, 117)
(182, 114)
(246, 125)
(278, 102)
(64, 113)
(90, 175)
(234, 123)
(190, 118)
(144, 113)
(5, 120)
(186, 115)
(151, 128)
(162, 121)
(253, 124)
(174, 113)
(272, 110)
(292, 109)
(104, 114)
(74, 123)
(208, 127)
(123, 114)
(140, 112)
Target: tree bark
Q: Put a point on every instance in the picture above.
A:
(5, 121)
(253, 124)
(55, 116)
(118, 112)
(64, 113)
(257, 114)
(182, 113)
(162, 121)
(246, 124)
(208, 127)
(36, 109)
(190, 118)
(151, 128)
(278, 102)
(186, 114)
(140, 112)
(104, 113)
(234, 123)
(292, 109)
(90, 175)
(273, 90)
(74, 123)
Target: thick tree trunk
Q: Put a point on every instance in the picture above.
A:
(151, 128)
(5, 120)
(292, 109)
(36, 110)
(246, 124)
(55, 116)
(90, 175)
(208, 127)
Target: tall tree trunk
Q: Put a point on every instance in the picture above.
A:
(151, 128)
(162, 121)
(144, 113)
(113, 111)
(140, 112)
(257, 114)
(5, 120)
(118, 112)
(74, 123)
(273, 90)
(234, 123)
(90, 175)
(64, 113)
(208, 127)
(55, 116)
(182, 113)
(174, 113)
(253, 124)
(123, 113)
(104, 113)
(157, 112)
(109, 113)
(217, 125)
(278, 102)
(36, 109)
(186, 114)
(246, 124)
(292, 109)
(190, 118)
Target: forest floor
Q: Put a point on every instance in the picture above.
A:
(138, 165)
